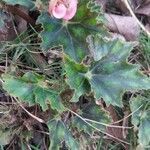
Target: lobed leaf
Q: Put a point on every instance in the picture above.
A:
(32, 88)
(75, 78)
(109, 76)
(58, 133)
(70, 34)
(140, 106)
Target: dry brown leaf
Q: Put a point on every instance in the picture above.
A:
(13, 25)
(7, 32)
(148, 27)
(120, 4)
(124, 25)
(144, 9)
(21, 23)
(116, 132)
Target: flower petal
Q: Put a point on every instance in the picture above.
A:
(71, 10)
(59, 11)
(52, 4)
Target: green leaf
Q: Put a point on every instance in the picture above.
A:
(27, 3)
(75, 78)
(140, 106)
(114, 50)
(70, 34)
(32, 88)
(92, 112)
(110, 75)
(59, 133)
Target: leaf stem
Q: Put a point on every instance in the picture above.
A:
(107, 125)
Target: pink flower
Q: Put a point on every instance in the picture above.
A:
(63, 9)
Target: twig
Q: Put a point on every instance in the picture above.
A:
(107, 125)
(134, 16)
(98, 129)
(127, 116)
(33, 116)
